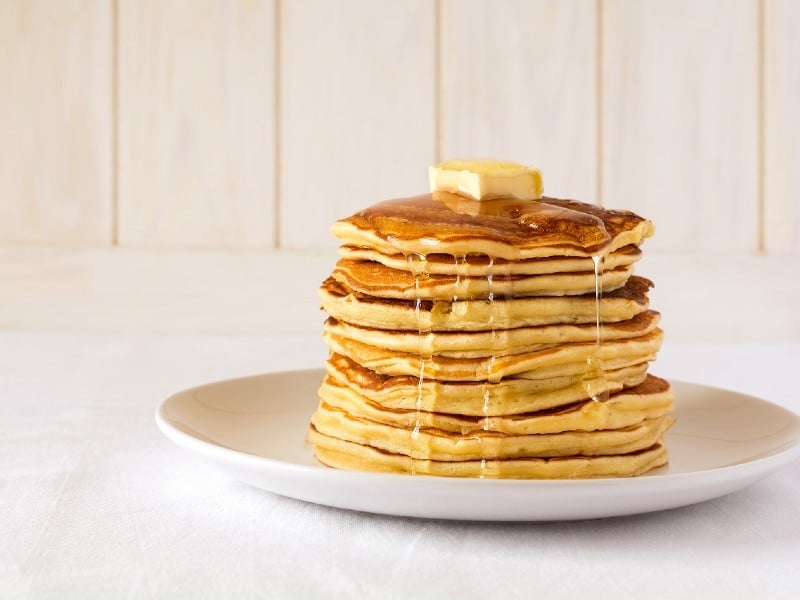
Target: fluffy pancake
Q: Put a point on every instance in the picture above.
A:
(436, 444)
(500, 342)
(506, 228)
(348, 455)
(475, 315)
(653, 398)
(480, 265)
(565, 359)
(374, 279)
(510, 396)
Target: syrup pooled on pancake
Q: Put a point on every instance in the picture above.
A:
(502, 228)
(491, 338)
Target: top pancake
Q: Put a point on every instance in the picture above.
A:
(504, 228)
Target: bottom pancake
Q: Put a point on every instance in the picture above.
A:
(341, 454)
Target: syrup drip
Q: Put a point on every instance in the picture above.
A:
(459, 263)
(417, 266)
(487, 394)
(594, 379)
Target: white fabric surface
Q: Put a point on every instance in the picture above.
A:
(96, 503)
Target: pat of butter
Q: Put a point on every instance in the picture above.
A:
(484, 179)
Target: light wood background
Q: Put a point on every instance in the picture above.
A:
(171, 165)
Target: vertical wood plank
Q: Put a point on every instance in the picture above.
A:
(55, 119)
(196, 122)
(782, 126)
(356, 109)
(518, 80)
(680, 112)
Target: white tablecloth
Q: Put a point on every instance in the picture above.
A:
(96, 503)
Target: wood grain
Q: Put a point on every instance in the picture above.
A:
(680, 113)
(518, 80)
(782, 126)
(139, 289)
(196, 122)
(356, 110)
(55, 119)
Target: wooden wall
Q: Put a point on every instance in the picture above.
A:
(175, 165)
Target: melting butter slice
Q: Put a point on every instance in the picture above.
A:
(485, 179)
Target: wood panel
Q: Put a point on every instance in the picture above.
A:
(55, 119)
(196, 122)
(139, 289)
(518, 80)
(356, 109)
(680, 118)
(782, 126)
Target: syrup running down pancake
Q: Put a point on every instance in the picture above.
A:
(494, 338)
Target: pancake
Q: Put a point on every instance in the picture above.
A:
(341, 454)
(500, 342)
(565, 359)
(476, 315)
(374, 279)
(481, 265)
(508, 229)
(436, 444)
(509, 396)
(651, 399)
(502, 338)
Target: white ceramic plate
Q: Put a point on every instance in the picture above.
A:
(254, 428)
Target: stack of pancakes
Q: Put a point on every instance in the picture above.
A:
(503, 338)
